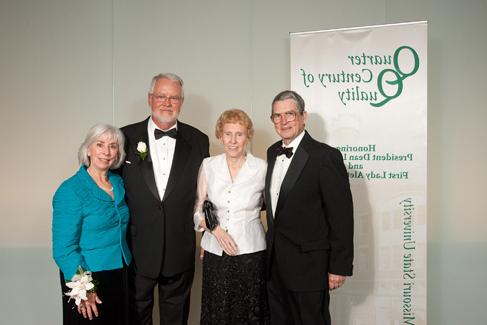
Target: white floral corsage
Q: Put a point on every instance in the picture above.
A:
(142, 150)
(81, 283)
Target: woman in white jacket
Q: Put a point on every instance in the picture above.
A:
(234, 290)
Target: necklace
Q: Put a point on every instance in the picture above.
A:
(99, 183)
(234, 167)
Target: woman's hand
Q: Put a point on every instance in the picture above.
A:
(203, 224)
(88, 307)
(226, 241)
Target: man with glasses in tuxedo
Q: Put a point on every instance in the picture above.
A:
(309, 217)
(160, 173)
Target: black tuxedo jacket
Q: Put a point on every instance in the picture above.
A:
(311, 232)
(161, 232)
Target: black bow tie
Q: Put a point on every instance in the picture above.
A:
(284, 151)
(171, 133)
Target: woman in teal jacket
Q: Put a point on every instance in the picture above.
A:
(89, 224)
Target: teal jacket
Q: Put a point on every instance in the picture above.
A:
(88, 226)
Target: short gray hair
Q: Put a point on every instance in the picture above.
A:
(94, 133)
(290, 94)
(170, 76)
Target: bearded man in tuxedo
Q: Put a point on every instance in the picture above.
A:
(160, 174)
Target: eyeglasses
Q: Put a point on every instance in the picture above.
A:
(289, 116)
(163, 98)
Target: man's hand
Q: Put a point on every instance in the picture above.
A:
(335, 281)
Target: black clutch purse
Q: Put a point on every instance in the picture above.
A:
(210, 217)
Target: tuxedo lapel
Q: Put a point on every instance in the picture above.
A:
(180, 159)
(271, 161)
(146, 168)
(295, 168)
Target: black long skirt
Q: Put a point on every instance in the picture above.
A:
(111, 288)
(234, 290)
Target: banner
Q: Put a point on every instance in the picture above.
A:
(366, 94)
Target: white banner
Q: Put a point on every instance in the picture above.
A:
(366, 94)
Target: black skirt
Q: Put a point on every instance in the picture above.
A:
(234, 290)
(111, 288)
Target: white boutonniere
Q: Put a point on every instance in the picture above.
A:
(80, 285)
(142, 150)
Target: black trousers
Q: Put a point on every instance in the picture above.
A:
(289, 307)
(174, 298)
(112, 289)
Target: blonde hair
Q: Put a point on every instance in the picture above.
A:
(234, 116)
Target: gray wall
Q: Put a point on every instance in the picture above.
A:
(66, 65)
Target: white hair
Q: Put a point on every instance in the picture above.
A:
(94, 133)
(167, 75)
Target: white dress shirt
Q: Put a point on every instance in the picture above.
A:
(237, 203)
(162, 154)
(279, 172)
